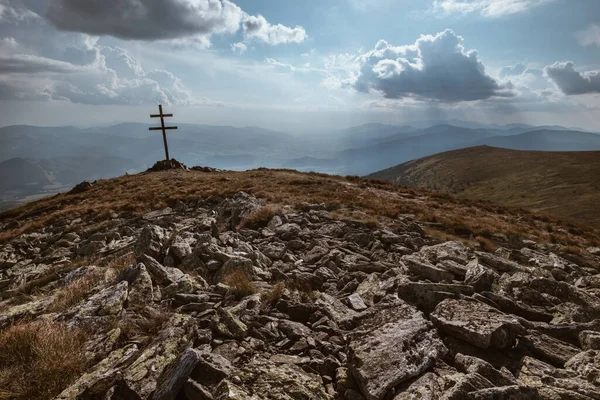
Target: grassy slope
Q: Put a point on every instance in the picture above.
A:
(564, 184)
(348, 198)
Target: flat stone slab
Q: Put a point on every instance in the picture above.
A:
(392, 345)
(476, 323)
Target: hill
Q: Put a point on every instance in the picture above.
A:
(564, 184)
(547, 140)
(17, 173)
(184, 284)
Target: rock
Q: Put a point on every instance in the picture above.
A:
(553, 383)
(195, 391)
(151, 242)
(81, 188)
(454, 251)
(391, 346)
(229, 391)
(294, 330)
(586, 365)
(102, 376)
(161, 274)
(469, 364)
(426, 296)
(480, 277)
(513, 392)
(476, 323)
(555, 351)
(107, 302)
(463, 385)
(141, 376)
(211, 369)
(356, 302)
(427, 387)
(226, 325)
(175, 375)
(589, 340)
(165, 165)
(180, 248)
(141, 293)
(422, 268)
(278, 381)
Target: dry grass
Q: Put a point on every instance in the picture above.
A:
(260, 217)
(347, 198)
(564, 184)
(39, 359)
(142, 326)
(271, 297)
(486, 245)
(75, 292)
(239, 284)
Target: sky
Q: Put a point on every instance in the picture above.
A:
(300, 65)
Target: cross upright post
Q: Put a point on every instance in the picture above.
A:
(162, 127)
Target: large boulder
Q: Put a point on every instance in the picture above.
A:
(392, 345)
(476, 323)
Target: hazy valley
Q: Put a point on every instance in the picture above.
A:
(38, 160)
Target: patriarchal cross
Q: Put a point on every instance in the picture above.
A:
(162, 127)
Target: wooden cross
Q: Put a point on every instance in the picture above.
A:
(162, 127)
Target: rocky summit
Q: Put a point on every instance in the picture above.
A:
(230, 291)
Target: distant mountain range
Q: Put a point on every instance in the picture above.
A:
(564, 184)
(67, 155)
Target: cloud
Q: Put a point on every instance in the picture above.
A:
(180, 20)
(30, 64)
(239, 47)
(434, 68)
(259, 27)
(278, 64)
(12, 15)
(512, 70)
(572, 82)
(38, 62)
(486, 8)
(589, 36)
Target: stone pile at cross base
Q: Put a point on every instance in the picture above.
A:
(341, 310)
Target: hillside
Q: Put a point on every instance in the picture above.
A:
(274, 284)
(547, 140)
(18, 173)
(564, 184)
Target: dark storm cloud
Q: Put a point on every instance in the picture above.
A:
(166, 20)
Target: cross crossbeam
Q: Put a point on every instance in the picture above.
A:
(162, 127)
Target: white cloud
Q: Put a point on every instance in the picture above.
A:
(259, 27)
(436, 68)
(589, 36)
(179, 20)
(44, 64)
(487, 8)
(278, 64)
(239, 47)
(572, 82)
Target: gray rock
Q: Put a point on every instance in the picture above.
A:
(141, 376)
(175, 375)
(480, 277)
(151, 242)
(422, 268)
(391, 346)
(549, 348)
(589, 340)
(356, 302)
(476, 323)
